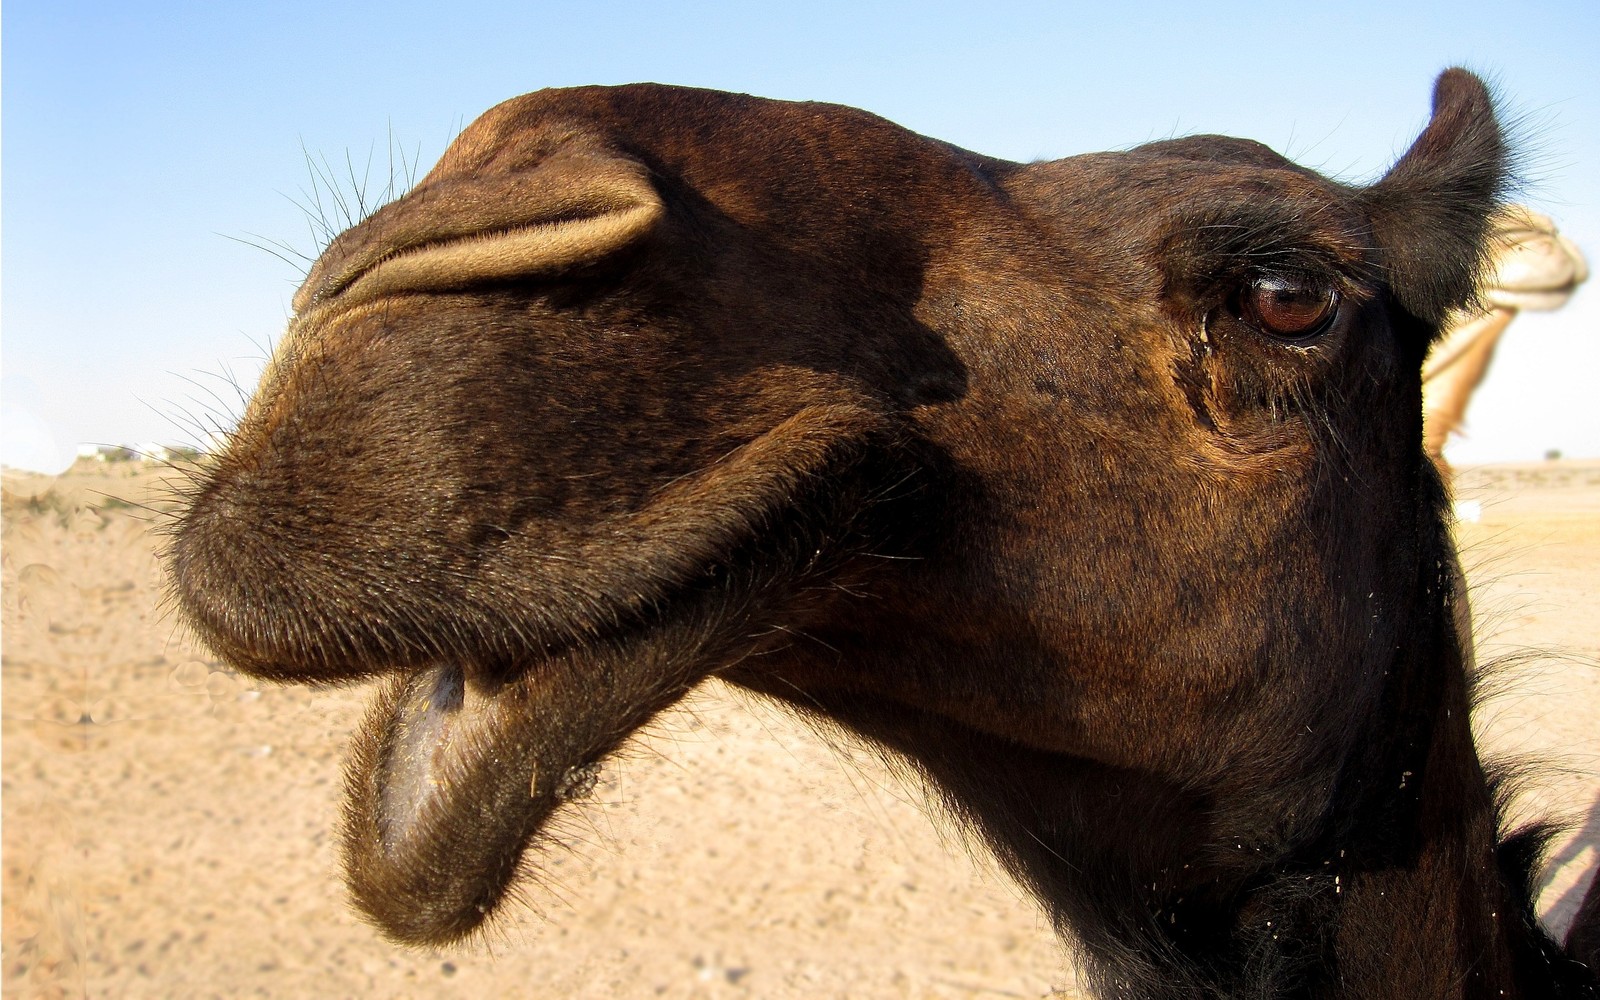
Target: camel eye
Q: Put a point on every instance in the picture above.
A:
(1292, 308)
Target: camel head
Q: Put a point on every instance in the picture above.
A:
(1111, 461)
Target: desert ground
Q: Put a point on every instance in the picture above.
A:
(168, 824)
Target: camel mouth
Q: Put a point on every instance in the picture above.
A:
(453, 774)
(500, 695)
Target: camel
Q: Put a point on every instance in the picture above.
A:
(1093, 489)
(1535, 269)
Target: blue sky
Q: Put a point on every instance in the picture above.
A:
(142, 141)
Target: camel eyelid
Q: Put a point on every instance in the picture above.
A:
(1210, 262)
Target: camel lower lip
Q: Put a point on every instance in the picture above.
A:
(442, 801)
(450, 780)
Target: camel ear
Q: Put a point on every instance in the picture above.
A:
(1430, 213)
(574, 207)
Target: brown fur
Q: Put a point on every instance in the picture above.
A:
(996, 466)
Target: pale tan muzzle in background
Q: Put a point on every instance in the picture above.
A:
(1535, 268)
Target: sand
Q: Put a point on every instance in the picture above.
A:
(168, 824)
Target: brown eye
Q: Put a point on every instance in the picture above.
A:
(1288, 307)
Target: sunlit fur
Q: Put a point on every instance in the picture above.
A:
(979, 463)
